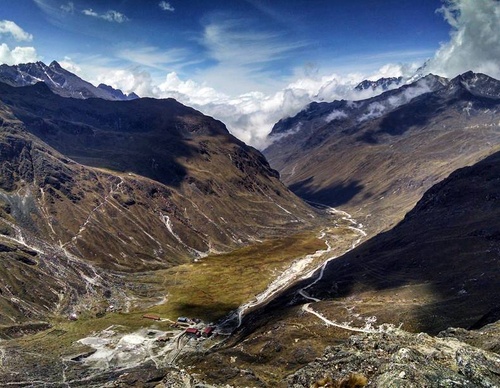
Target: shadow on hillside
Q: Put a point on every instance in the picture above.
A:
(448, 243)
(211, 311)
(143, 136)
(399, 121)
(335, 195)
(418, 114)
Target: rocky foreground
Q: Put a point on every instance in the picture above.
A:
(395, 358)
(390, 358)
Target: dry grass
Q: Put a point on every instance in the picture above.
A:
(216, 285)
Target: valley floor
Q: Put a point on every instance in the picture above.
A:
(89, 350)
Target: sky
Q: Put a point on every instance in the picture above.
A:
(251, 62)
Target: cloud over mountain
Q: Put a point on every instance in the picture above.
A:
(10, 30)
(8, 27)
(233, 76)
(474, 39)
(17, 54)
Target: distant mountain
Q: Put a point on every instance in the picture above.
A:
(117, 93)
(382, 84)
(92, 189)
(376, 157)
(59, 80)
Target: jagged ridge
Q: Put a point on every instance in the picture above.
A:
(59, 80)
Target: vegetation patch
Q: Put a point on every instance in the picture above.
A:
(214, 286)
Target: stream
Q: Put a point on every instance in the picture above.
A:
(297, 271)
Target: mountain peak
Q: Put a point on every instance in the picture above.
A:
(55, 65)
(382, 83)
(479, 84)
(117, 92)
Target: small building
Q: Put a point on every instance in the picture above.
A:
(153, 317)
(182, 320)
(208, 331)
(192, 332)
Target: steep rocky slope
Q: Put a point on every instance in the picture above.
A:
(375, 158)
(93, 185)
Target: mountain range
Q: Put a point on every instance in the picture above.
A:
(375, 158)
(438, 268)
(114, 206)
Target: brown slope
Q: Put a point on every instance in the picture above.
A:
(375, 158)
(448, 244)
(93, 185)
(437, 268)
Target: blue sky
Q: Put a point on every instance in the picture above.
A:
(268, 42)
(238, 59)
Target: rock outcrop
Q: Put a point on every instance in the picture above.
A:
(395, 358)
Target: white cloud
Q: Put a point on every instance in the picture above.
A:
(17, 55)
(242, 54)
(166, 6)
(238, 42)
(135, 80)
(292, 131)
(405, 70)
(474, 39)
(197, 94)
(155, 57)
(406, 95)
(397, 98)
(8, 27)
(110, 16)
(249, 116)
(98, 70)
(374, 110)
(68, 64)
(335, 115)
(241, 49)
(69, 7)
